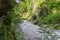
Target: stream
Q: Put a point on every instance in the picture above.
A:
(31, 31)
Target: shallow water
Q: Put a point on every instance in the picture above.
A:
(31, 31)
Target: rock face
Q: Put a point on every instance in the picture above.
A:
(31, 31)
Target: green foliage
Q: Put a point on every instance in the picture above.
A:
(10, 21)
(23, 7)
(49, 13)
(53, 19)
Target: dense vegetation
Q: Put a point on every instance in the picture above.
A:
(41, 12)
(9, 19)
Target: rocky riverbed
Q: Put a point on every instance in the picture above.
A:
(31, 31)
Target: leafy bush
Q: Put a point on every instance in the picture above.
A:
(10, 10)
(53, 19)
